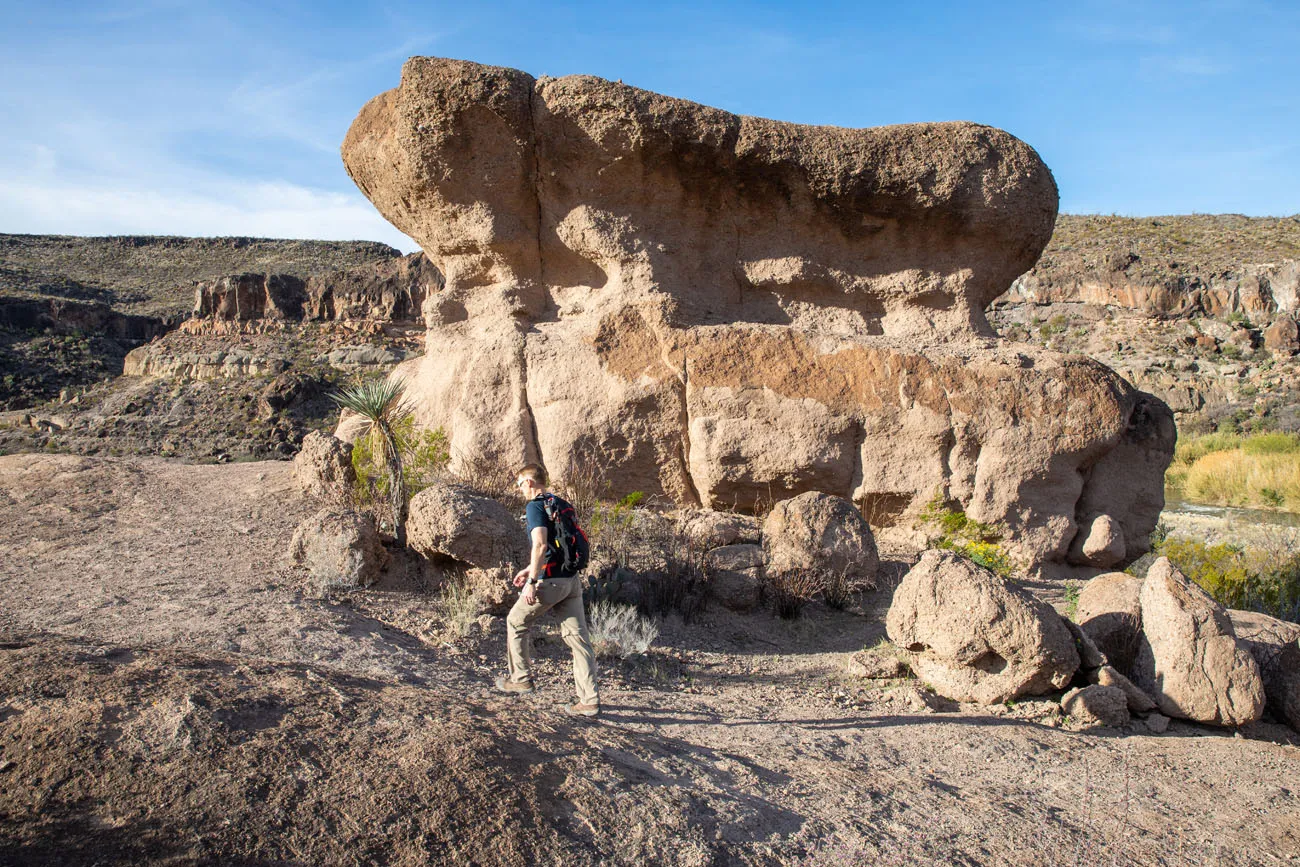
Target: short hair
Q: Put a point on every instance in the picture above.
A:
(534, 472)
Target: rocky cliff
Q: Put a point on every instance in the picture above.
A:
(730, 310)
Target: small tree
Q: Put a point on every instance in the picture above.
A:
(382, 406)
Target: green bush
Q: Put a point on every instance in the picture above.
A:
(1261, 580)
(425, 454)
(963, 535)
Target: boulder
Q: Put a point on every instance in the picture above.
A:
(1110, 612)
(709, 529)
(1100, 543)
(451, 521)
(1157, 723)
(322, 469)
(975, 637)
(339, 549)
(1138, 701)
(1275, 644)
(1189, 659)
(729, 311)
(737, 590)
(1096, 705)
(821, 533)
(736, 558)
(1283, 336)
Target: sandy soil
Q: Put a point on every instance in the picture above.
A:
(172, 692)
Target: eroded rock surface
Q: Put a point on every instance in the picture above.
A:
(974, 637)
(339, 549)
(1190, 660)
(731, 311)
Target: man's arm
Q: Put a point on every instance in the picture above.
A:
(535, 565)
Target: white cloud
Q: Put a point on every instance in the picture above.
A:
(271, 210)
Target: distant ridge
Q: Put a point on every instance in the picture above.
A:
(153, 274)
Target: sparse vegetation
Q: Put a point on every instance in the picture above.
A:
(1232, 469)
(458, 605)
(382, 407)
(976, 541)
(791, 590)
(1072, 599)
(1265, 578)
(620, 631)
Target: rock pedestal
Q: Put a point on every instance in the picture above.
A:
(730, 311)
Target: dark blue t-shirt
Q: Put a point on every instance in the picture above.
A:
(535, 516)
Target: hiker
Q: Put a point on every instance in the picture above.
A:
(547, 584)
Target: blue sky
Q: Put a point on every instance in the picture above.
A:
(224, 118)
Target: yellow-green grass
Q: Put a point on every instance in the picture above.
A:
(1259, 470)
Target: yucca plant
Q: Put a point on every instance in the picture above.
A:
(382, 405)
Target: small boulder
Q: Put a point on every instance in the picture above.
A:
(1110, 612)
(1096, 705)
(1283, 336)
(1275, 644)
(737, 590)
(1138, 701)
(1157, 723)
(339, 549)
(1190, 660)
(450, 521)
(974, 636)
(323, 469)
(822, 533)
(735, 557)
(1102, 542)
(708, 529)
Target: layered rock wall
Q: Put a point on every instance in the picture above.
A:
(730, 310)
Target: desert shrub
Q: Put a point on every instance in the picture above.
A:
(680, 585)
(620, 630)
(791, 590)
(482, 475)
(583, 485)
(458, 605)
(1264, 578)
(611, 529)
(1053, 326)
(837, 590)
(424, 459)
(1072, 600)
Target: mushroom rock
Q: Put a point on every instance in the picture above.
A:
(731, 311)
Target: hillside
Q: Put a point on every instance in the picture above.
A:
(151, 275)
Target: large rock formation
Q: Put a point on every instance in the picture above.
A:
(730, 310)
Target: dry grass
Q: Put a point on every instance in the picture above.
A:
(618, 631)
(1238, 478)
(458, 605)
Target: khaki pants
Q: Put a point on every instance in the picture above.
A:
(565, 596)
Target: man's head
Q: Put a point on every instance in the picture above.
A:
(531, 480)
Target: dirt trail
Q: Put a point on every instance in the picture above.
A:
(169, 694)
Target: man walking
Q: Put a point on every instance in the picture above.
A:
(543, 589)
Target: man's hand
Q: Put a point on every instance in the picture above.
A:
(530, 594)
(521, 576)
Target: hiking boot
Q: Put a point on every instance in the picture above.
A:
(504, 685)
(582, 709)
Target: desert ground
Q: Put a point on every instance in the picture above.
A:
(173, 691)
